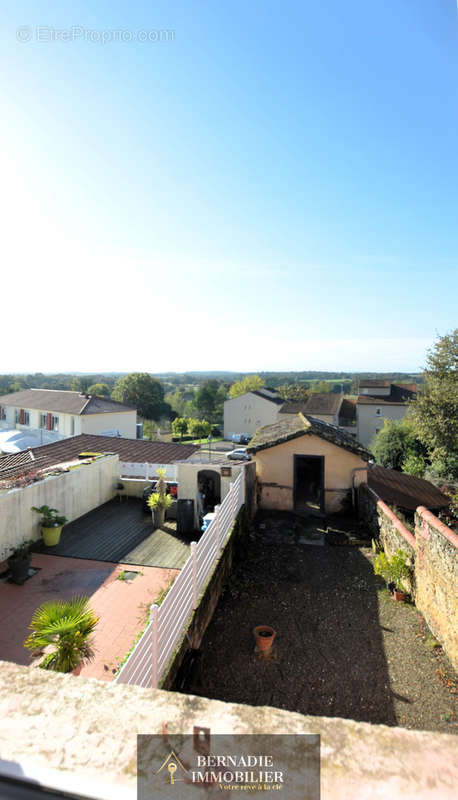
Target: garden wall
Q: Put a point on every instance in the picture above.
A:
(433, 553)
(436, 578)
(73, 493)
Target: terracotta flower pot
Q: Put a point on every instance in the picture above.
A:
(398, 595)
(264, 636)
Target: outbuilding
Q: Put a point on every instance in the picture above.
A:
(306, 465)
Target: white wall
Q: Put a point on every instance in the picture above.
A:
(248, 412)
(368, 420)
(73, 493)
(124, 421)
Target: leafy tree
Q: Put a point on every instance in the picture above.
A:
(435, 409)
(414, 464)
(395, 443)
(100, 389)
(141, 390)
(295, 392)
(248, 384)
(66, 626)
(199, 428)
(209, 400)
(321, 387)
(180, 426)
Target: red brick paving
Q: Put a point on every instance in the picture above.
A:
(121, 605)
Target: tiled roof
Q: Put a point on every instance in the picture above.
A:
(398, 394)
(405, 491)
(326, 403)
(134, 450)
(269, 394)
(374, 384)
(291, 407)
(63, 402)
(347, 410)
(293, 426)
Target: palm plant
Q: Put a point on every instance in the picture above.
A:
(66, 626)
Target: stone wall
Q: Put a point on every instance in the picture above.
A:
(436, 578)
(73, 493)
(74, 734)
(432, 552)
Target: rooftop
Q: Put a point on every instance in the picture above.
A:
(65, 402)
(294, 426)
(131, 450)
(326, 403)
(398, 395)
(405, 491)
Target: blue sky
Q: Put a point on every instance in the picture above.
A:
(270, 186)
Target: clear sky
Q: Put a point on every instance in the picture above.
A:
(263, 185)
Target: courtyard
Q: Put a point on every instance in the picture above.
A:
(114, 556)
(344, 647)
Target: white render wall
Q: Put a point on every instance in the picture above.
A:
(368, 420)
(248, 412)
(73, 493)
(125, 422)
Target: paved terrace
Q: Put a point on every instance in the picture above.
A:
(121, 605)
(121, 532)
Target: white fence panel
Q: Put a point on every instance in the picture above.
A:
(152, 652)
(130, 469)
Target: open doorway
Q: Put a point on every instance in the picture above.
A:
(308, 484)
(209, 487)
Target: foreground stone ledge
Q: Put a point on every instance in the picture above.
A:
(86, 730)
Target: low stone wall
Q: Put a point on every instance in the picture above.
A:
(203, 614)
(433, 555)
(74, 734)
(436, 578)
(73, 493)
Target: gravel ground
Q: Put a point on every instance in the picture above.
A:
(344, 647)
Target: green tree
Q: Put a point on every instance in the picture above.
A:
(141, 390)
(321, 387)
(208, 400)
(199, 428)
(435, 409)
(294, 392)
(180, 426)
(100, 389)
(395, 443)
(248, 384)
(66, 626)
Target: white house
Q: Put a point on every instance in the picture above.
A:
(50, 414)
(248, 412)
(378, 401)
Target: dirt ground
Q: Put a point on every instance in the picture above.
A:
(344, 647)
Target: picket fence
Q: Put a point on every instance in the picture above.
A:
(168, 622)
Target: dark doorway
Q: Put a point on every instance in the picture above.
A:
(209, 485)
(309, 484)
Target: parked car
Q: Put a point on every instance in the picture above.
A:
(172, 489)
(239, 454)
(241, 438)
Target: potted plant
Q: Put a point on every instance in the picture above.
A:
(51, 524)
(63, 629)
(159, 503)
(19, 562)
(394, 570)
(400, 570)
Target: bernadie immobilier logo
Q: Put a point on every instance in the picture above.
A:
(193, 766)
